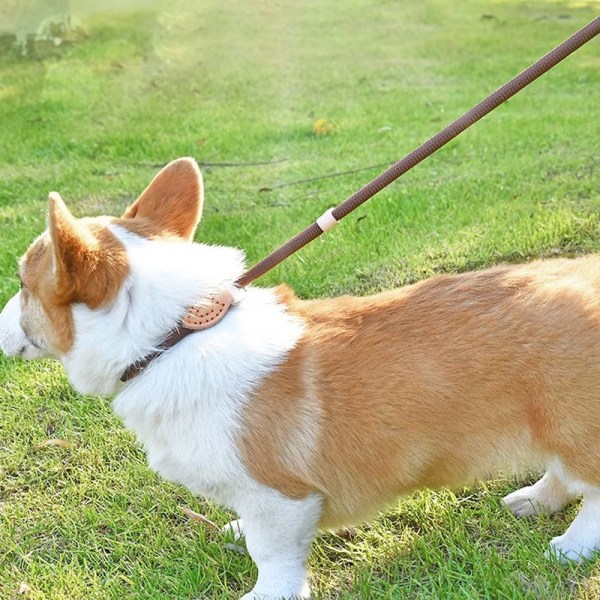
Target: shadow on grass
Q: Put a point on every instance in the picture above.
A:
(434, 542)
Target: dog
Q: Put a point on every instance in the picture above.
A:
(301, 415)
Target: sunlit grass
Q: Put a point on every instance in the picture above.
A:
(246, 82)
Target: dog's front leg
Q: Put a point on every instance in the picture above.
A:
(279, 532)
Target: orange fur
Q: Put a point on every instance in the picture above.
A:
(433, 384)
(41, 310)
(90, 262)
(79, 260)
(171, 204)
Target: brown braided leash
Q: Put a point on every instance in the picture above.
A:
(331, 217)
(201, 318)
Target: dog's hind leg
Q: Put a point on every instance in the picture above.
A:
(548, 495)
(279, 532)
(582, 538)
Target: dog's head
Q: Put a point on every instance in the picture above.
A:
(82, 265)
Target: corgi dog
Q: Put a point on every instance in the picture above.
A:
(301, 415)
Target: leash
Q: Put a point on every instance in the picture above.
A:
(208, 314)
(333, 216)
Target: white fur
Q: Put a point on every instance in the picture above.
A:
(582, 538)
(165, 277)
(186, 407)
(13, 341)
(550, 494)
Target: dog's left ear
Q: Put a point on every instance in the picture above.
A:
(173, 201)
(88, 267)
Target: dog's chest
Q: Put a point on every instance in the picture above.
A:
(197, 452)
(192, 449)
(189, 437)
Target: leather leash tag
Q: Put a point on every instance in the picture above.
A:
(203, 317)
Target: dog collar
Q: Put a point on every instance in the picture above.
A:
(196, 318)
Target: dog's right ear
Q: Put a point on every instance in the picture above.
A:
(173, 201)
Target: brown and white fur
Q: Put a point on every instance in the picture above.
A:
(301, 415)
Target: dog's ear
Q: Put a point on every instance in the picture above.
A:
(173, 202)
(72, 244)
(87, 268)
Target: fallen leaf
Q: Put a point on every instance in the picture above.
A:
(346, 533)
(322, 127)
(23, 589)
(188, 512)
(54, 442)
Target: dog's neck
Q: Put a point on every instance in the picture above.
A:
(165, 279)
(197, 318)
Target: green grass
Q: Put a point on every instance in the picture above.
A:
(245, 81)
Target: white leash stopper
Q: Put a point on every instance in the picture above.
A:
(327, 221)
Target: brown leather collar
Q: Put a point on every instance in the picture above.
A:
(196, 318)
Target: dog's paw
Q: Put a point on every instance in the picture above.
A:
(235, 528)
(523, 503)
(546, 496)
(255, 596)
(566, 549)
(258, 596)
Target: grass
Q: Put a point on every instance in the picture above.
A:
(244, 82)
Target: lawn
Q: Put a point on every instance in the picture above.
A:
(242, 84)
